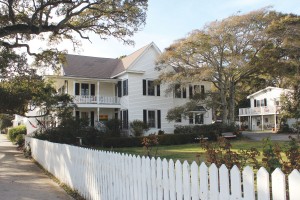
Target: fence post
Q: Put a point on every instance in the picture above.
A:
(278, 185)
(294, 183)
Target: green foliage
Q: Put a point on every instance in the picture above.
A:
(211, 131)
(54, 22)
(5, 121)
(221, 152)
(22, 93)
(138, 127)
(219, 53)
(113, 127)
(273, 156)
(166, 139)
(69, 131)
(15, 131)
(20, 140)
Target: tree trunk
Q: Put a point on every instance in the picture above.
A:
(224, 104)
(231, 103)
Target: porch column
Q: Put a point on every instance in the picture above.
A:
(250, 125)
(275, 129)
(98, 113)
(74, 112)
(262, 122)
(98, 94)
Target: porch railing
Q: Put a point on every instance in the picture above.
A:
(265, 110)
(87, 99)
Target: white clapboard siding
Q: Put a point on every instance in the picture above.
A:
(101, 175)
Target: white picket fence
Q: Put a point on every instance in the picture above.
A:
(107, 175)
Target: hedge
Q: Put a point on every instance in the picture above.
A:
(166, 139)
(15, 131)
(205, 129)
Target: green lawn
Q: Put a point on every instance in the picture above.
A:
(189, 151)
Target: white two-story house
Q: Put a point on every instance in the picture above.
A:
(264, 111)
(106, 88)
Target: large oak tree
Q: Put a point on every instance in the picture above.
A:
(53, 21)
(223, 52)
(56, 20)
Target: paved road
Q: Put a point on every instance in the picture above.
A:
(272, 136)
(21, 179)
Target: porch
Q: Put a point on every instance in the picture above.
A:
(264, 110)
(96, 99)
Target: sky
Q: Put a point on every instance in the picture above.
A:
(169, 20)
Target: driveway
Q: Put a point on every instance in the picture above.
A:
(273, 136)
(21, 179)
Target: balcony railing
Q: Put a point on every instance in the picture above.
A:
(86, 99)
(265, 110)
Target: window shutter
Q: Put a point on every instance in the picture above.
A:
(145, 116)
(158, 90)
(191, 91)
(202, 89)
(265, 101)
(183, 92)
(76, 88)
(254, 102)
(158, 119)
(119, 89)
(92, 89)
(92, 118)
(144, 87)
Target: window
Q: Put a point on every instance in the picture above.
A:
(199, 119)
(177, 91)
(152, 118)
(196, 89)
(125, 87)
(196, 118)
(85, 89)
(122, 88)
(150, 89)
(260, 103)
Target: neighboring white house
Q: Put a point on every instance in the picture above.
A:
(264, 110)
(106, 88)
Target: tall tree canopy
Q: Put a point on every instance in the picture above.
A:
(223, 52)
(24, 93)
(55, 20)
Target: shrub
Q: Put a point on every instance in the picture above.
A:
(207, 130)
(116, 142)
(20, 140)
(69, 131)
(13, 132)
(113, 127)
(138, 127)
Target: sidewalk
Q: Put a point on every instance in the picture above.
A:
(21, 179)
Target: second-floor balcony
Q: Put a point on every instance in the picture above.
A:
(264, 110)
(88, 99)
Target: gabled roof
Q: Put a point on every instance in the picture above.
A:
(103, 68)
(265, 90)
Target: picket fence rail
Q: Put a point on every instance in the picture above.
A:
(102, 175)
